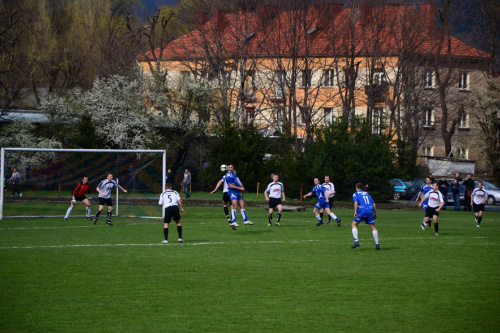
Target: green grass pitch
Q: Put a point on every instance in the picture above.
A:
(72, 276)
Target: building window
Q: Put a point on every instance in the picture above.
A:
(329, 77)
(249, 114)
(279, 89)
(306, 78)
(429, 118)
(463, 83)
(377, 121)
(427, 151)
(464, 120)
(378, 77)
(351, 116)
(463, 152)
(429, 78)
(328, 118)
(250, 84)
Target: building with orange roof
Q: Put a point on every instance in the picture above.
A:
(289, 71)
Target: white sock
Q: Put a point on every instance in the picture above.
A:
(333, 216)
(233, 215)
(375, 236)
(244, 214)
(68, 212)
(355, 234)
(87, 209)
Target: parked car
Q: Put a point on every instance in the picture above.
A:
(493, 191)
(403, 188)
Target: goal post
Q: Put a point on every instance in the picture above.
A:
(48, 177)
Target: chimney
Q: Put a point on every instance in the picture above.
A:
(366, 13)
(428, 16)
(200, 19)
(267, 13)
(220, 20)
(326, 12)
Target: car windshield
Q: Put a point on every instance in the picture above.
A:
(407, 183)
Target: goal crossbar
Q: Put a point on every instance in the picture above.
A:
(2, 162)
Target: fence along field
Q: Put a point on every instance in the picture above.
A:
(67, 276)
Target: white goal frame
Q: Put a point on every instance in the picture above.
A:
(2, 164)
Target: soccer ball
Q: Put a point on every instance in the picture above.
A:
(223, 168)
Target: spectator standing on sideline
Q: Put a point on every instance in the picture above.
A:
(364, 210)
(276, 191)
(170, 178)
(321, 193)
(469, 187)
(186, 180)
(456, 191)
(479, 197)
(435, 203)
(171, 201)
(104, 188)
(432, 178)
(78, 194)
(14, 180)
(443, 188)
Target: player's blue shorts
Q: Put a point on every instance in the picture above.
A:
(321, 204)
(234, 195)
(368, 219)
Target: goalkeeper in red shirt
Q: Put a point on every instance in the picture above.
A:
(79, 194)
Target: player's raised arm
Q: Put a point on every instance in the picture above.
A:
(217, 186)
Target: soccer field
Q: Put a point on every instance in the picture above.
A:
(72, 276)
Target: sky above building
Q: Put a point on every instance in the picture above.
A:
(152, 5)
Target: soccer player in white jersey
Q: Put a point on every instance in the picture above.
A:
(478, 199)
(234, 187)
(331, 189)
(276, 190)
(435, 202)
(105, 188)
(225, 196)
(424, 189)
(321, 194)
(171, 202)
(364, 210)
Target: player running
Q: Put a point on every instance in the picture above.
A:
(435, 202)
(79, 195)
(424, 189)
(478, 199)
(105, 187)
(322, 193)
(276, 191)
(364, 210)
(331, 189)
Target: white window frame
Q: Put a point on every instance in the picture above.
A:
(427, 150)
(463, 83)
(306, 78)
(464, 121)
(279, 89)
(429, 118)
(377, 114)
(378, 77)
(328, 116)
(329, 77)
(429, 79)
(463, 153)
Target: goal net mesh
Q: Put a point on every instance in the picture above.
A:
(48, 178)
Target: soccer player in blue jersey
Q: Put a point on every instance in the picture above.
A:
(234, 187)
(322, 193)
(104, 188)
(364, 210)
(424, 189)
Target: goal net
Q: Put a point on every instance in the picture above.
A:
(49, 176)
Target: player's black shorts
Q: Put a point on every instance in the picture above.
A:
(172, 212)
(330, 202)
(105, 202)
(273, 202)
(225, 197)
(430, 212)
(478, 208)
(80, 197)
